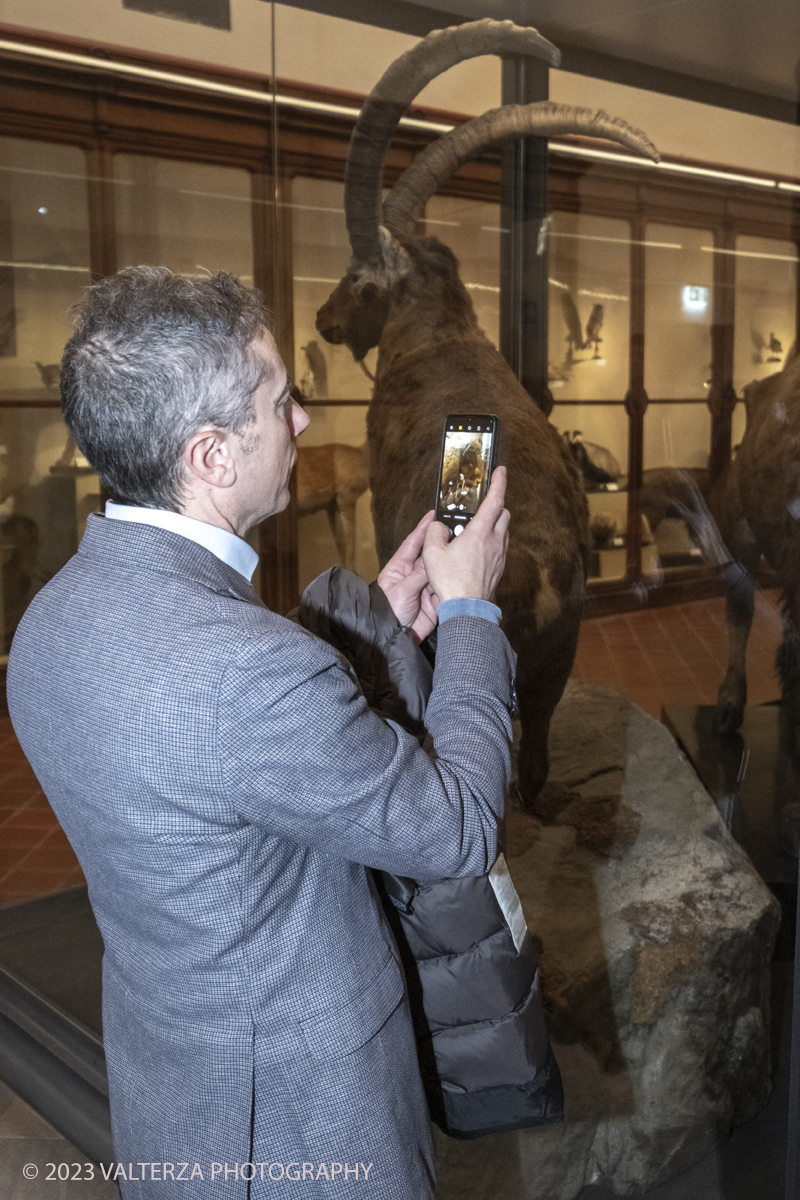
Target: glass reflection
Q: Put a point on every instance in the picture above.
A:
(589, 308)
(47, 488)
(320, 254)
(333, 498)
(472, 231)
(191, 217)
(597, 435)
(44, 261)
(679, 305)
(677, 438)
(766, 306)
(678, 312)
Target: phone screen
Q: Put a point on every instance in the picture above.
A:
(467, 460)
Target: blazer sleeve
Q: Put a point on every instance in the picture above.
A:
(304, 756)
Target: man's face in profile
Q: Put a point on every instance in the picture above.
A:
(267, 450)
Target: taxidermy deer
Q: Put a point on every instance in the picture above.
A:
(333, 477)
(402, 293)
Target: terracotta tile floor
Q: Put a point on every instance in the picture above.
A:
(678, 654)
(35, 856)
(658, 656)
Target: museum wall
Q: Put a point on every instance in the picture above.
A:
(317, 49)
(309, 47)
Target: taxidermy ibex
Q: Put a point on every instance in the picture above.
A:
(402, 293)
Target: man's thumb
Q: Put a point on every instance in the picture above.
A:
(436, 534)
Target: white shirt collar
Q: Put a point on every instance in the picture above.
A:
(231, 549)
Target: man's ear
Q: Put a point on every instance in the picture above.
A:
(207, 457)
(396, 261)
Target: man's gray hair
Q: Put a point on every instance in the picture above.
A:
(155, 357)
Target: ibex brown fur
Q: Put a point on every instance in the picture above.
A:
(403, 293)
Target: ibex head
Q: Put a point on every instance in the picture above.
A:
(356, 310)
(388, 257)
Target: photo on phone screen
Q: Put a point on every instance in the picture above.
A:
(467, 460)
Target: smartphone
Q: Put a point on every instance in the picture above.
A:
(469, 451)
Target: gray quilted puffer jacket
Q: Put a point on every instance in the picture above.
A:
(471, 968)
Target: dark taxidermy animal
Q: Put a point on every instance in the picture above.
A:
(595, 463)
(753, 509)
(757, 509)
(402, 293)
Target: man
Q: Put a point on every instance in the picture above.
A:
(222, 779)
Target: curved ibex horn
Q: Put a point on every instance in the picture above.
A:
(438, 161)
(391, 96)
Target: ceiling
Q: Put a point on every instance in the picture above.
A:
(741, 54)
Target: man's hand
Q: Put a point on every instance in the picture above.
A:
(472, 563)
(405, 584)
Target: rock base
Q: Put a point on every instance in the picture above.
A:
(656, 935)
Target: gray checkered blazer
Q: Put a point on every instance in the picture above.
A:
(224, 784)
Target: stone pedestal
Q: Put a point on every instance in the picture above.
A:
(656, 935)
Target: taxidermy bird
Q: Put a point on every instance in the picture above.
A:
(573, 322)
(313, 381)
(50, 373)
(593, 327)
(759, 343)
(559, 375)
(775, 349)
(7, 326)
(72, 459)
(575, 335)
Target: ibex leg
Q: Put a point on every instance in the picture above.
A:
(739, 605)
(543, 668)
(343, 524)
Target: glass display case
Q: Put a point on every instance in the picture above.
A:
(655, 296)
(650, 318)
(667, 293)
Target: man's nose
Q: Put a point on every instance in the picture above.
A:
(300, 418)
